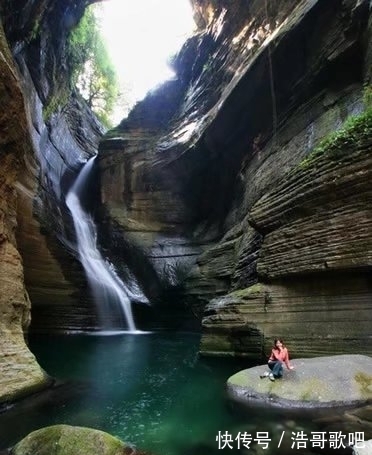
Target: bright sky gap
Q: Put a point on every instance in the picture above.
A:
(141, 36)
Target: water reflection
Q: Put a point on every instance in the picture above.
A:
(152, 391)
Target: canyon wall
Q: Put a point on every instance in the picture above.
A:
(63, 133)
(46, 134)
(217, 192)
(19, 372)
(214, 172)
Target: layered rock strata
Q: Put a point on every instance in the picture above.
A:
(222, 161)
(46, 133)
(205, 191)
(19, 371)
(314, 259)
(63, 135)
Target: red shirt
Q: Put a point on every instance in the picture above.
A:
(281, 355)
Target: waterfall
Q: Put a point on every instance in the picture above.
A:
(107, 287)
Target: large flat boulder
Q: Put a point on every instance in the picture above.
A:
(320, 382)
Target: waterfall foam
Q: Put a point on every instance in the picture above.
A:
(106, 285)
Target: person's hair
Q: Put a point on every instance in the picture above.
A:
(276, 340)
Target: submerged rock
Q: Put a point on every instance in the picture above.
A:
(68, 440)
(320, 382)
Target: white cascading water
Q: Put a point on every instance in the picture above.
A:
(105, 283)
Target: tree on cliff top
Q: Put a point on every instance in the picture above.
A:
(92, 70)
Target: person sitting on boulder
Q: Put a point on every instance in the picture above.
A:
(279, 355)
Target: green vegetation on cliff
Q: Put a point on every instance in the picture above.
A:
(354, 133)
(55, 102)
(92, 71)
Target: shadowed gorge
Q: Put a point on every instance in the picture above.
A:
(220, 161)
(238, 194)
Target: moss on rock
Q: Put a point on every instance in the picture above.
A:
(320, 382)
(355, 132)
(365, 383)
(68, 440)
(252, 291)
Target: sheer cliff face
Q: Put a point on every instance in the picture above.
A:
(63, 133)
(19, 371)
(207, 178)
(219, 160)
(45, 133)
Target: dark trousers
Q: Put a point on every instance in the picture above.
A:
(276, 366)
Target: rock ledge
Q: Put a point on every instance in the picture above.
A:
(320, 382)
